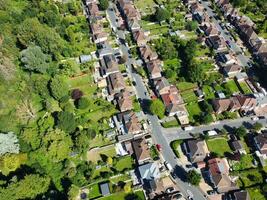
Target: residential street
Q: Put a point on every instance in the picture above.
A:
(234, 47)
(157, 133)
(178, 133)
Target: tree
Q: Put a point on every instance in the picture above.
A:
(11, 162)
(8, 143)
(69, 68)
(195, 73)
(66, 122)
(191, 25)
(162, 14)
(33, 59)
(193, 177)
(27, 188)
(166, 49)
(241, 131)
(83, 103)
(157, 108)
(257, 126)
(58, 87)
(103, 4)
(76, 94)
(127, 188)
(109, 161)
(207, 107)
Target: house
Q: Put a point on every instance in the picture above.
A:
(139, 38)
(98, 34)
(216, 42)
(241, 195)
(124, 101)
(141, 150)
(261, 143)
(196, 7)
(149, 171)
(87, 2)
(108, 65)
(225, 59)
(232, 70)
(246, 20)
(196, 150)
(147, 54)
(93, 10)
(221, 3)
(162, 86)
(182, 114)
(248, 34)
(237, 146)
(131, 123)
(129, 10)
(134, 25)
(104, 189)
(154, 69)
(244, 103)
(219, 175)
(115, 83)
(221, 105)
(210, 29)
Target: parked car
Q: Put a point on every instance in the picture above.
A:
(174, 176)
(158, 146)
(211, 192)
(188, 128)
(169, 189)
(189, 166)
(168, 166)
(134, 83)
(254, 118)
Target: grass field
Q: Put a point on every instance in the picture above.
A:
(231, 86)
(193, 109)
(145, 6)
(219, 146)
(124, 163)
(249, 178)
(94, 154)
(169, 124)
(245, 88)
(209, 92)
(189, 96)
(94, 191)
(186, 86)
(256, 193)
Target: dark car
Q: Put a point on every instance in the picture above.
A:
(211, 192)
(189, 166)
(174, 176)
(134, 83)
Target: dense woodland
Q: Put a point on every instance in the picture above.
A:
(45, 124)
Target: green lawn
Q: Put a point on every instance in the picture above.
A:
(186, 86)
(99, 141)
(219, 146)
(255, 193)
(174, 145)
(84, 83)
(244, 163)
(193, 109)
(98, 171)
(249, 178)
(94, 191)
(209, 92)
(123, 177)
(189, 96)
(124, 163)
(169, 124)
(244, 87)
(231, 86)
(145, 6)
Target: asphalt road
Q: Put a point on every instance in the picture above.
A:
(234, 47)
(157, 133)
(175, 133)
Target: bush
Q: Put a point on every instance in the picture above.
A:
(83, 103)
(174, 145)
(193, 177)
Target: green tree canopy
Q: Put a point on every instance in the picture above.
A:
(58, 87)
(103, 4)
(157, 108)
(193, 177)
(66, 122)
(27, 188)
(162, 14)
(33, 59)
(195, 73)
(11, 162)
(241, 131)
(257, 126)
(83, 103)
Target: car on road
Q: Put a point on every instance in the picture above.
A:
(189, 166)
(211, 192)
(158, 146)
(188, 128)
(174, 176)
(134, 83)
(254, 118)
(168, 166)
(228, 43)
(169, 189)
(177, 196)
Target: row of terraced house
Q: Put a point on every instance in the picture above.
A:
(168, 93)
